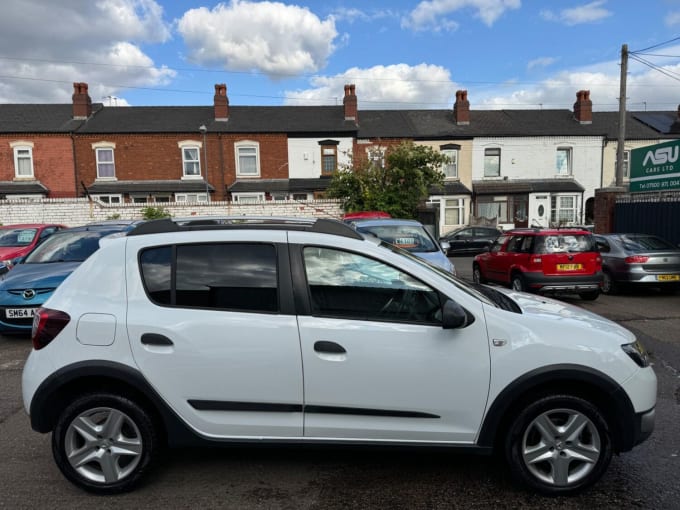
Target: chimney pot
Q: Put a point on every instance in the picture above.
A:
(461, 108)
(221, 102)
(351, 104)
(82, 103)
(583, 107)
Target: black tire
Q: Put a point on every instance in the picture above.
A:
(477, 276)
(551, 462)
(105, 418)
(609, 286)
(518, 283)
(590, 295)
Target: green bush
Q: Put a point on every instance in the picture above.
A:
(155, 213)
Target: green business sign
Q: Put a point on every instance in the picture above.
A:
(656, 167)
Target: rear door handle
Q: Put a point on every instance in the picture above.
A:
(326, 347)
(156, 339)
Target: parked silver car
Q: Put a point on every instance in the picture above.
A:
(638, 260)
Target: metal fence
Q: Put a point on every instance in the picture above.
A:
(649, 213)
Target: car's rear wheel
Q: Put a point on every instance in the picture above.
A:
(590, 296)
(518, 283)
(104, 443)
(609, 286)
(477, 274)
(559, 444)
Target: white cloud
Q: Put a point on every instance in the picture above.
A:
(541, 62)
(672, 19)
(646, 88)
(353, 14)
(271, 37)
(432, 14)
(53, 44)
(588, 13)
(398, 86)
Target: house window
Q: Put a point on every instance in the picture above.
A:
(105, 164)
(300, 196)
(563, 209)
(190, 197)
(23, 160)
(248, 198)
(626, 159)
(492, 162)
(450, 168)
(109, 199)
(329, 160)
(191, 161)
(247, 159)
(454, 213)
(376, 155)
(493, 208)
(563, 161)
(139, 199)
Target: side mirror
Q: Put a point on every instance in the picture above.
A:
(445, 245)
(454, 316)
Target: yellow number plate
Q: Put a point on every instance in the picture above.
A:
(668, 277)
(569, 267)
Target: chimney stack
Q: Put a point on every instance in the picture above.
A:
(221, 102)
(583, 107)
(461, 108)
(82, 104)
(350, 104)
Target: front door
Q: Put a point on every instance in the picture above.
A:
(539, 206)
(221, 349)
(377, 363)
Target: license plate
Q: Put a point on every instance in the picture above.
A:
(569, 267)
(20, 313)
(668, 277)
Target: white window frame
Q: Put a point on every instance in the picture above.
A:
(248, 198)
(191, 144)
(497, 153)
(18, 147)
(460, 206)
(376, 155)
(24, 198)
(452, 154)
(556, 212)
(563, 165)
(626, 164)
(109, 198)
(247, 144)
(105, 146)
(191, 197)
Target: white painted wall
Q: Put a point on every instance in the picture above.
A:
(304, 156)
(535, 158)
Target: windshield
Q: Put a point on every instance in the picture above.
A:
(637, 243)
(67, 246)
(413, 238)
(17, 236)
(562, 243)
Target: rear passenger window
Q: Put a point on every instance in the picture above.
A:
(234, 276)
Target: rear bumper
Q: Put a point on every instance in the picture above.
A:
(576, 283)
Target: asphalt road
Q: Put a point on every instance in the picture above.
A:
(318, 478)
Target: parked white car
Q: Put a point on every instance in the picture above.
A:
(306, 331)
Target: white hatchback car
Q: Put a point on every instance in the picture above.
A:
(305, 331)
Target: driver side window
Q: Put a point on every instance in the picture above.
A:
(348, 285)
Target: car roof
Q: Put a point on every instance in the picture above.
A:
(547, 231)
(30, 225)
(387, 222)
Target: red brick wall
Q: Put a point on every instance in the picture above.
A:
(605, 202)
(158, 157)
(52, 162)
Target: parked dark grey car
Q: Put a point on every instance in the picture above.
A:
(469, 240)
(638, 260)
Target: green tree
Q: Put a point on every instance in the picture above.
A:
(154, 213)
(397, 188)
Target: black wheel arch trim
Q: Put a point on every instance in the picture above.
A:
(45, 404)
(624, 427)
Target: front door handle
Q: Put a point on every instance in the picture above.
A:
(156, 339)
(326, 347)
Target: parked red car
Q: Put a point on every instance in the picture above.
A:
(18, 240)
(543, 260)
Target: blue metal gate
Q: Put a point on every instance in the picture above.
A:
(649, 214)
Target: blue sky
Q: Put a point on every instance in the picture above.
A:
(400, 54)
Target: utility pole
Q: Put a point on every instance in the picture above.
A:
(622, 116)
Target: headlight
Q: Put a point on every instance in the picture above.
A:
(637, 353)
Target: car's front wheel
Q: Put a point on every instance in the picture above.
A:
(104, 443)
(477, 274)
(559, 444)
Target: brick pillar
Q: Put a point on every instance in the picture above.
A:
(605, 202)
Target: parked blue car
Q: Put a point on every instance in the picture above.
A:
(409, 235)
(28, 285)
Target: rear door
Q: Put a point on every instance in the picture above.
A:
(212, 328)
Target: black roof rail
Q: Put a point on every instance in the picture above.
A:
(320, 225)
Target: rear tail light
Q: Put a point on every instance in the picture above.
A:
(636, 259)
(47, 324)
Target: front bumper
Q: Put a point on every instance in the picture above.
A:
(644, 425)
